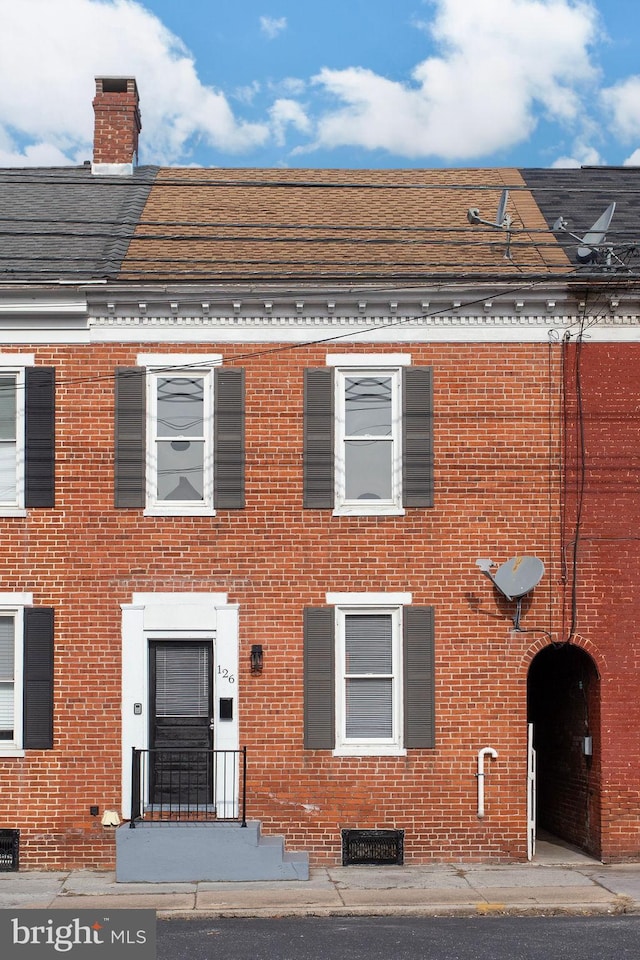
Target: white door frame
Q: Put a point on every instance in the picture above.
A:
(175, 616)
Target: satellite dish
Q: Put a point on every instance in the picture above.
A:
(518, 576)
(502, 208)
(595, 236)
(502, 221)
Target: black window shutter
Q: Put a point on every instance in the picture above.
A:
(417, 437)
(319, 683)
(228, 425)
(39, 437)
(419, 677)
(38, 678)
(130, 437)
(318, 486)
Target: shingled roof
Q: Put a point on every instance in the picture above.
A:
(581, 195)
(297, 226)
(65, 224)
(341, 226)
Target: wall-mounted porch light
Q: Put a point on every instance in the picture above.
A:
(256, 658)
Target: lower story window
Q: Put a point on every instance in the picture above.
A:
(7, 678)
(368, 688)
(369, 679)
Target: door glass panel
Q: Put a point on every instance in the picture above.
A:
(182, 681)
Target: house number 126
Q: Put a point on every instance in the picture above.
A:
(224, 673)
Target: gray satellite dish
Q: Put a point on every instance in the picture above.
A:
(502, 208)
(590, 244)
(595, 236)
(518, 576)
(502, 221)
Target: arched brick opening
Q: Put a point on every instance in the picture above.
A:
(563, 703)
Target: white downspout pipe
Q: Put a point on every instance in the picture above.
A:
(486, 751)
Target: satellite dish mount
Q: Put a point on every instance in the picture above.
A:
(514, 579)
(502, 222)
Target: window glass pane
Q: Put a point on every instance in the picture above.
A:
(367, 406)
(182, 681)
(8, 490)
(6, 648)
(6, 677)
(7, 408)
(369, 644)
(369, 708)
(180, 470)
(368, 469)
(180, 408)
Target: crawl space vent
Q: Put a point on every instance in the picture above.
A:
(372, 847)
(9, 844)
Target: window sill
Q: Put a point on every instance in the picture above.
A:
(8, 752)
(13, 512)
(369, 511)
(370, 750)
(180, 512)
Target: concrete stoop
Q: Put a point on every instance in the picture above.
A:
(191, 852)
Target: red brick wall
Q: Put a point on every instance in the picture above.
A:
(497, 483)
(608, 566)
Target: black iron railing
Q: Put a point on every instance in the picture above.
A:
(169, 785)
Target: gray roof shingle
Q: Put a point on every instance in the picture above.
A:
(63, 223)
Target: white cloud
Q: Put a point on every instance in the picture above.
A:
(622, 103)
(272, 26)
(583, 155)
(633, 160)
(285, 113)
(502, 63)
(46, 46)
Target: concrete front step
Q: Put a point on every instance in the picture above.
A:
(172, 852)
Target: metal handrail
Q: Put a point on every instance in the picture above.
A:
(188, 784)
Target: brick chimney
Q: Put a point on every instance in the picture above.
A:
(117, 125)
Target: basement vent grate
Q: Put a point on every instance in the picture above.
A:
(9, 846)
(372, 846)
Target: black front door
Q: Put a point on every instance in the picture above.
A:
(181, 735)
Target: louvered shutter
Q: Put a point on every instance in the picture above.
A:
(228, 425)
(39, 437)
(419, 678)
(130, 437)
(318, 453)
(38, 678)
(417, 437)
(319, 682)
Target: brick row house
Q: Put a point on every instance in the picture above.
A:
(258, 429)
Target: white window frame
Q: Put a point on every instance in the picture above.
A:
(179, 365)
(12, 605)
(14, 365)
(356, 604)
(368, 365)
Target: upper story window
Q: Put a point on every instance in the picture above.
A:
(368, 435)
(179, 435)
(27, 427)
(180, 454)
(368, 447)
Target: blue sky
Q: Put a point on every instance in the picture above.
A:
(355, 83)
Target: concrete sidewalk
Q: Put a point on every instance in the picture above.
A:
(585, 887)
